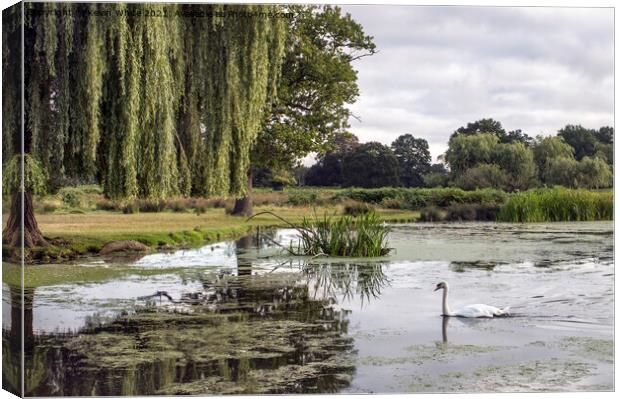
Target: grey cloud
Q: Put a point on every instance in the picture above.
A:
(438, 68)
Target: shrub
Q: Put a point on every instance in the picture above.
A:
(130, 207)
(199, 209)
(471, 212)
(419, 198)
(435, 179)
(356, 208)
(90, 189)
(178, 205)
(214, 203)
(299, 198)
(431, 214)
(461, 212)
(394, 203)
(49, 207)
(106, 205)
(150, 205)
(487, 212)
(370, 195)
(71, 197)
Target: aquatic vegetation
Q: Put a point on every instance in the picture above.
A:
(547, 375)
(219, 347)
(557, 205)
(362, 236)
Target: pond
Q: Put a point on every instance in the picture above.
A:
(243, 317)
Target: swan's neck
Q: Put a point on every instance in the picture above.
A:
(445, 308)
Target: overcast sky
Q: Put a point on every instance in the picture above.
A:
(535, 69)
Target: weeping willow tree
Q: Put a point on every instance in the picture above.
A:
(140, 97)
(186, 97)
(61, 101)
(152, 103)
(234, 58)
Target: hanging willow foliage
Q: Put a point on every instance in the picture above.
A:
(243, 60)
(150, 105)
(87, 74)
(63, 71)
(11, 82)
(121, 94)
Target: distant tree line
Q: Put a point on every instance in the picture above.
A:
(480, 155)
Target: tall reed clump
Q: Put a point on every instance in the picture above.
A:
(557, 205)
(347, 236)
(361, 236)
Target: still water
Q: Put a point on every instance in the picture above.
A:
(243, 317)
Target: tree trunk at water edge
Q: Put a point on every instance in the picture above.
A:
(243, 206)
(12, 233)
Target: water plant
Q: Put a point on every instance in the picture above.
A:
(557, 205)
(347, 236)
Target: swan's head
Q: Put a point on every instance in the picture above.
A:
(442, 285)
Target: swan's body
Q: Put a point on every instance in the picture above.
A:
(469, 311)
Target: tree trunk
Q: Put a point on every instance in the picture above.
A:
(243, 206)
(12, 233)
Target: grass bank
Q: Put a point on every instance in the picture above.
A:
(79, 220)
(77, 234)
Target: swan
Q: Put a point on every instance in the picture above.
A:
(470, 311)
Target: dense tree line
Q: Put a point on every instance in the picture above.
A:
(372, 164)
(480, 155)
(575, 157)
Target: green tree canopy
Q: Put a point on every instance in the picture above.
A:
(414, 159)
(593, 172)
(328, 170)
(517, 161)
(370, 165)
(317, 85)
(548, 148)
(581, 139)
(490, 126)
(605, 135)
(466, 151)
(561, 171)
(151, 106)
(483, 176)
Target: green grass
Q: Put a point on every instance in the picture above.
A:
(557, 205)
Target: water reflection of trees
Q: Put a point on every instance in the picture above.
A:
(245, 331)
(240, 334)
(347, 280)
(15, 344)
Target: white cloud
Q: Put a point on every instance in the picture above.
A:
(535, 69)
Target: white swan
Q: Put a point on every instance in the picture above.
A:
(471, 311)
